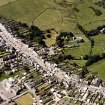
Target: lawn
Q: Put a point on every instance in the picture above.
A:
(99, 69)
(87, 18)
(99, 44)
(81, 63)
(48, 14)
(5, 2)
(25, 100)
(82, 50)
(4, 76)
(52, 39)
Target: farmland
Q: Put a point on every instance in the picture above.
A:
(5, 2)
(42, 13)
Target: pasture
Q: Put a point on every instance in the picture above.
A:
(42, 13)
(5, 2)
(98, 69)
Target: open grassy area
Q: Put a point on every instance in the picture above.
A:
(25, 100)
(82, 50)
(99, 44)
(87, 17)
(79, 62)
(5, 2)
(99, 69)
(49, 14)
(4, 76)
(52, 39)
(41, 12)
(45, 14)
(24, 10)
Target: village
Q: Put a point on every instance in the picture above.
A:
(32, 80)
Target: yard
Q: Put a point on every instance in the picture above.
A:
(25, 100)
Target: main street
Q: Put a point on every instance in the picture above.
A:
(32, 55)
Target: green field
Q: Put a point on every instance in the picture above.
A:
(82, 50)
(99, 69)
(45, 14)
(41, 12)
(5, 2)
(25, 99)
(23, 10)
(49, 14)
(87, 17)
(99, 44)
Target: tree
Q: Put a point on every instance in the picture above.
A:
(26, 68)
(83, 72)
(49, 35)
(37, 35)
(60, 42)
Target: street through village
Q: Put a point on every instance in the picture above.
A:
(50, 69)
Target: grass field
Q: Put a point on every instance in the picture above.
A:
(5, 2)
(51, 41)
(48, 14)
(25, 100)
(41, 12)
(99, 69)
(82, 50)
(99, 44)
(45, 14)
(79, 62)
(22, 10)
(87, 17)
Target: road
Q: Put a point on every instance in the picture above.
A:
(32, 55)
(50, 69)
